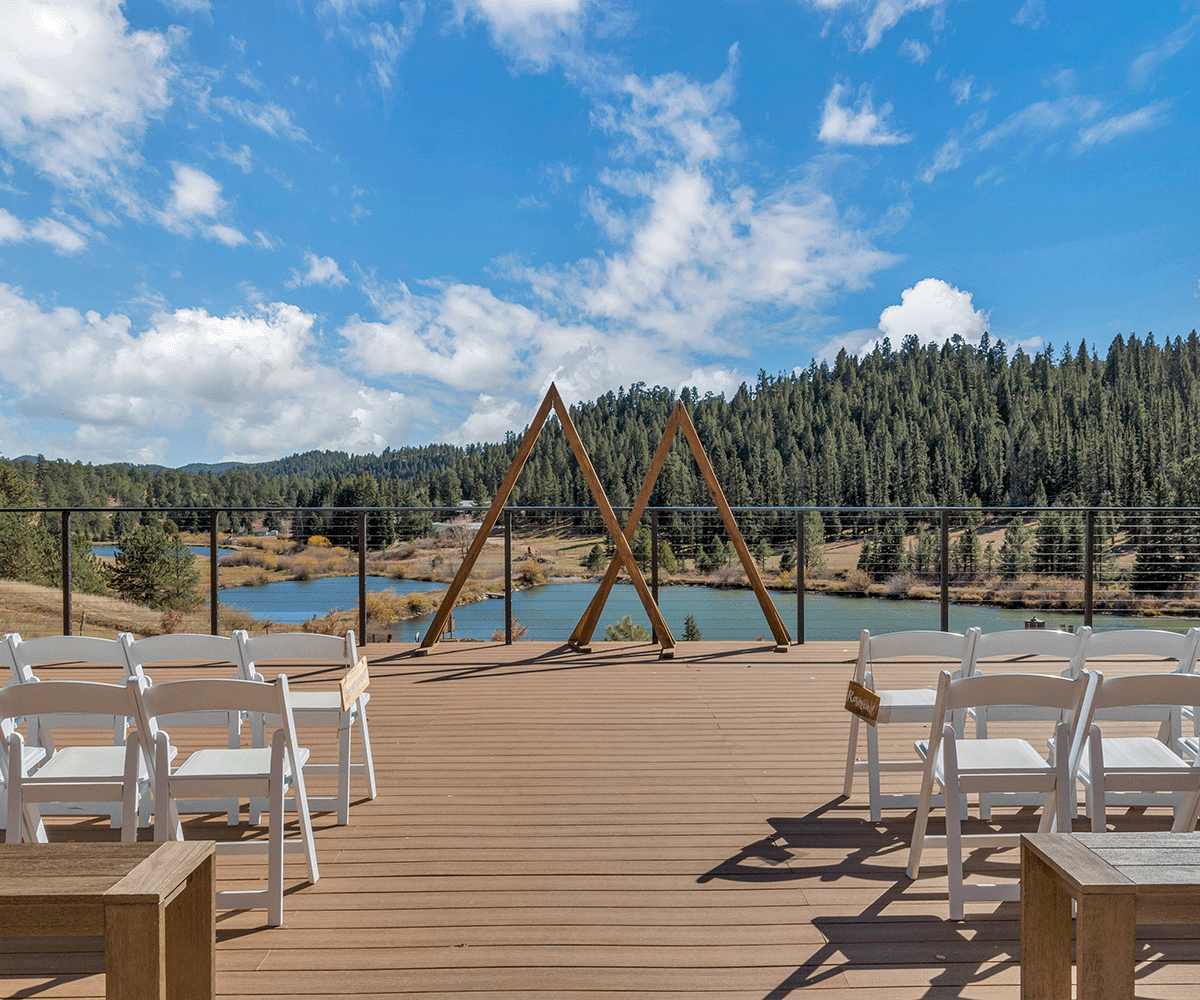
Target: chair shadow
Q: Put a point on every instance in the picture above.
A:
(957, 955)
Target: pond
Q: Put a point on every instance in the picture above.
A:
(550, 612)
(200, 550)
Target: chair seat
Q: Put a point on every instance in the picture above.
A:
(1135, 752)
(244, 762)
(88, 764)
(993, 756)
(908, 705)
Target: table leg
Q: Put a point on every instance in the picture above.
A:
(1105, 930)
(134, 952)
(191, 932)
(1045, 932)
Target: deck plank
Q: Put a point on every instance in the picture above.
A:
(607, 827)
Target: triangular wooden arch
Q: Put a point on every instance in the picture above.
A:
(624, 555)
(680, 420)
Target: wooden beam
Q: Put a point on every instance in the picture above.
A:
(782, 639)
(662, 633)
(434, 632)
(586, 627)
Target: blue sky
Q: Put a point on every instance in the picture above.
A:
(237, 230)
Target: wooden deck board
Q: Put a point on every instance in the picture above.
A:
(610, 826)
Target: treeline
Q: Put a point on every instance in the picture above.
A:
(955, 424)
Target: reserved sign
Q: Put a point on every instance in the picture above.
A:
(863, 702)
(354, 683)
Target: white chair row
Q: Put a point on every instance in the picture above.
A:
(964, 655)
(125, 773)
(1079, 751)
(250, 658)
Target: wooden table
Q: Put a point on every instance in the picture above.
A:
(1117, 881)
(154, 904)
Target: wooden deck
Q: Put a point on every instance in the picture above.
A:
(610, 826)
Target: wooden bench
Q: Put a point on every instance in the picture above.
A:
(153, 902)
(1117, 881)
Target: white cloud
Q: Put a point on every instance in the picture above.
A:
(195, 197)
(1032, 14)
(321, 271)
(1143, 68)
(876, 17)
(1143, 119)
(270, 117)
(58, 235)
(696, 258)
(257, 381)
(916, 52)
(78, 90)
(533, 33)
(860, 125)
(933, 311)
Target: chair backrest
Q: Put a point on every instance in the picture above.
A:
(927, 645)
(1013, 645)
(164, 649)
(291, 647)
(161, 703)
(26, 654)
(1165, 691)
(1158, 644)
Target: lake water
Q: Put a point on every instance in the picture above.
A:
(551, 611)
(200, 550)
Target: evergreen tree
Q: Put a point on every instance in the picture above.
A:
(691, 631)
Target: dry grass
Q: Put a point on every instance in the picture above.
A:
(34, 611)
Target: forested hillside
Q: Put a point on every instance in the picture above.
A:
(956, 424)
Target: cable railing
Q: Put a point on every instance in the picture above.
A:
(829, 570)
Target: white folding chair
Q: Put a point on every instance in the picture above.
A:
(181, 652)
(1045, 651)
(222, 772)
(986, 765)
(33, 754)
(1147, 649)
(1142, 764)
(317, 707)
(932, 650)
(72, 774)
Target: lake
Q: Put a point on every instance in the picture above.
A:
(200, 550)
(551, 611)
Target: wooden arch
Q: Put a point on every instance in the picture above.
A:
(624, 554)
(680, 420)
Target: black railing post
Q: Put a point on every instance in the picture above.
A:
(945, 570)
(654, 559)
(66, 571)
(1089, 568)
(508, 622)
(214, 616)
(362, 576)
(800, 553)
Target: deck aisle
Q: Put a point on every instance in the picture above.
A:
(611, 826)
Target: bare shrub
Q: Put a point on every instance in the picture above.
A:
(171, 621)
(899, 584)
(857, 581)
(530, 573)
(729, 576)
(230, 618)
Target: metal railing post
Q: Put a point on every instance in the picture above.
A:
(362, 575)
(214, 616)
(66, 571)
(1089, 568)
(654, 559)
(945, 570)
(800, 554)
(508, 619)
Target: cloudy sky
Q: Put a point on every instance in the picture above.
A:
(236, 230)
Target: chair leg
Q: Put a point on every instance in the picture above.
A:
(1096, 789)
(954, 859)
(343, 789)
(851, 756)
(129, 797)
(921, 822)
(364, 738)
(275, 837)
(873, 774)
